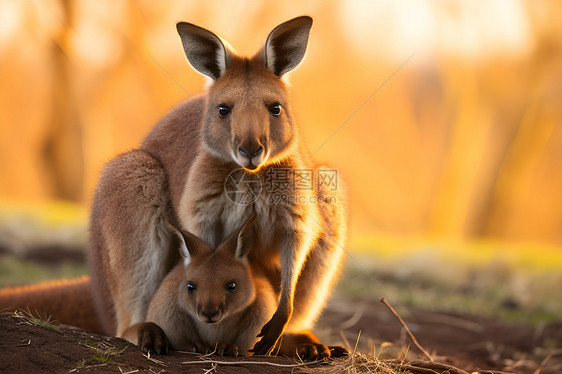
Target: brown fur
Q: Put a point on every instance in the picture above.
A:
(180, 320)
(183, 317)
(179, 175)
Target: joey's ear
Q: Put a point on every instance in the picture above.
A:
(204, 50)
(245, 238)
(286, 44)
(189, 244)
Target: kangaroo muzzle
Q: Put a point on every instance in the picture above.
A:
(251, 154)
(210, 314)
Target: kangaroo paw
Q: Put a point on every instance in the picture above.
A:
(311, 352)
(269, 334)
(227, 350)
(152, 338)
(306, 346)
(337, 351)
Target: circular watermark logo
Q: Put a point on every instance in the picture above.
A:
(241, 187)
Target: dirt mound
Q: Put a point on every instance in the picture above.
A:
(32, 346)
(28, 347)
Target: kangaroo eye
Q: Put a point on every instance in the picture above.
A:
(224, 111)
(231, 287)
(191, 288)
(275, 109)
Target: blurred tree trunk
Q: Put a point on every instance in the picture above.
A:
(63, 154)
(503, 131)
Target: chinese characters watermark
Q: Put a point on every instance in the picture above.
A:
(283, 186)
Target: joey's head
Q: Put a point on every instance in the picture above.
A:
(248, 115)
(216, 283)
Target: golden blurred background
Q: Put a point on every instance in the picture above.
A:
(444, 117)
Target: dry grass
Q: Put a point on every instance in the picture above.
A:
(363, 363)
(104, 353)
(37, 319)
(355, 363)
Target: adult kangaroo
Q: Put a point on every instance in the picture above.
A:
(240, 134)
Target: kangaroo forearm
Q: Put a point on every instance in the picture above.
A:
(316, 281)
(295, 248)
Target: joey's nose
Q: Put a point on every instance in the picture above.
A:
(211, 314)
(251, 152)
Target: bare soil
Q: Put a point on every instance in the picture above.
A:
(469, 342)
(466, 342)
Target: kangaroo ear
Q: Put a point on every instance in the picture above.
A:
(189, 244)
(245, 238)
(286, 44)
(204, 50)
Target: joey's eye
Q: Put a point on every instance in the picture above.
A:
(231, 287)
(191, 288)
(275, 109)
(224, 111)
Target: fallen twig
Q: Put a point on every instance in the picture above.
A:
(87, 367)
(24, 343)
(407, 329)
(543, 363)
(417, 369)
(436, 366)
(151, 359)
(127, 372)
(253, 363)
(213, 368)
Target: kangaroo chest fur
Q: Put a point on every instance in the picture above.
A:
(212, 198)
(217, 198)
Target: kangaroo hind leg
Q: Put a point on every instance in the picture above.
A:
(130, 244)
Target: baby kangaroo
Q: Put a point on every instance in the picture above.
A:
(216, 301)
(212, 301)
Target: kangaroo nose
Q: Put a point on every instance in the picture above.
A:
(251, 153)
(210, 313)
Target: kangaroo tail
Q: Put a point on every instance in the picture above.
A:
(67, 301)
